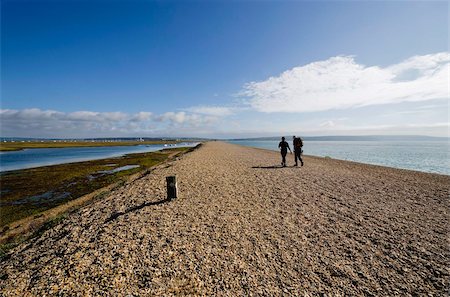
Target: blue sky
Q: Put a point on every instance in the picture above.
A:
(223, 68)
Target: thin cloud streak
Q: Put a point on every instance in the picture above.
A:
(212, 110)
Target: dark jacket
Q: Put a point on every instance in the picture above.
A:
(284, 146)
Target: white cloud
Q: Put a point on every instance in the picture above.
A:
(142, 116)
(91, 116)
(183, 118)
(327, 124)
(219, 111)
(113, 116)
(82, 116)
(340, 83)
(49, 123)
(33, 113)
(174, 117)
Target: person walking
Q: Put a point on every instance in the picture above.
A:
(297, 144)
(284, 146)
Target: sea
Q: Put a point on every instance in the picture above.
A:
(36, 157)
(427, 156)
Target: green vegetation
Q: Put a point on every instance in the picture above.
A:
(29, 192)
(17, 145)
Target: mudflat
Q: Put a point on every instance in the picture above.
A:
(244, 226)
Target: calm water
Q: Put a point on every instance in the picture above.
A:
(427, 156)
(30, 158)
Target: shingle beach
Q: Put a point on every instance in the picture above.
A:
(243, 226)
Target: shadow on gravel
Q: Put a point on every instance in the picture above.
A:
(134, 208)
(271, 167)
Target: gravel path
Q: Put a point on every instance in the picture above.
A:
(242, 227)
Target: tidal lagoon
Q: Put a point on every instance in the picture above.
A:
(31, 158)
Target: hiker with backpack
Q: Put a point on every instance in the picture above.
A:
(297, 144)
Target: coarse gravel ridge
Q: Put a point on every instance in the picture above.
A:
(244, 226)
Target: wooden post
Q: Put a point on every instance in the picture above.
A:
(171, 187)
